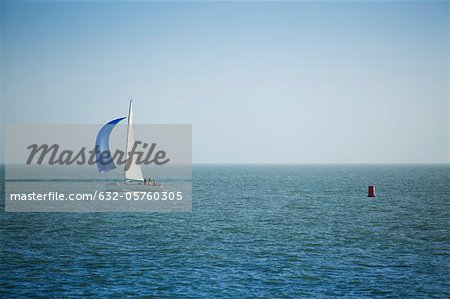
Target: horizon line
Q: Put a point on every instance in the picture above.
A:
(292, 163)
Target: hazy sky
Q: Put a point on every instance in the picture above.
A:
(303, 82)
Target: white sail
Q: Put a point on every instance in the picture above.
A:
(134, 172)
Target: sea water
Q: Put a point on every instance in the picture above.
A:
(254, 231)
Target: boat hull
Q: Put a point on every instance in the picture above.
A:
(137, 187)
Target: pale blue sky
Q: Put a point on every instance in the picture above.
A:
(289, 82)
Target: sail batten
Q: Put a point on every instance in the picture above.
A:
(134, 170)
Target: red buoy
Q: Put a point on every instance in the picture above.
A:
(371, 192)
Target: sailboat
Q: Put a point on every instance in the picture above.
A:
(133, 179)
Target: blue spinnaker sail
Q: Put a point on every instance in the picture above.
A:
(103, 157)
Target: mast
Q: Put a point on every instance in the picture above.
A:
(126, 141)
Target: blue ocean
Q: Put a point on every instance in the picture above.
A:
(273, 231)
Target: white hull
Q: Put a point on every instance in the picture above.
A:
(132, 187)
